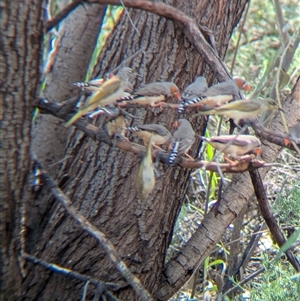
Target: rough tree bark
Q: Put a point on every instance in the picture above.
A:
(77, 37)
(102, 179)
(21, 40)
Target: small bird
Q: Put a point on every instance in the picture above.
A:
(182, 140)
(192, 91)
(195, 89)
(124, 73)
(107, 94)
(116, 127)
(158, 133)
(229, 87)
(167, 89)
(295, 132)
(235, 145)
(146, 176)
(91, 85)
(242, 109)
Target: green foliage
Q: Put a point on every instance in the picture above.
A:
(287, 205)
(276, 284)
(261, 44)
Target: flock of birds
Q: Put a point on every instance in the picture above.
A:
(115, 92)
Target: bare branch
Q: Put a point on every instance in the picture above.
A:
(269, 218)
(100, 237)
(95, 133)
(193, 31)
(62, 14)
(274, 137)
(67, 272)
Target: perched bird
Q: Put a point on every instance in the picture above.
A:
(195, 89)
(158, 133)
(153, 101)
(146, 177)
(159, 88)
(182, 140)
(107, 94)
(295, 132)
(235, 145)
(241, 109)
(116, 127)
(229, 87)
(91, 85)
(126, 74)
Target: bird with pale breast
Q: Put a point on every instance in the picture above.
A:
(158, 133)
(153, 94)
(235, 145)
(107, 94)
(242, 109)
(182, 140)
(168, 89)
(229, 87)
(146, 176)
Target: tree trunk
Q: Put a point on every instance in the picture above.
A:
(102, 179)
(21, 40)
(77, 38)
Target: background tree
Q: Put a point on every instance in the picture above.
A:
(101, 178)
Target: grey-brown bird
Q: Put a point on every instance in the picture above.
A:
(235, 145)
(158, 133)
(126, 74)
(116, 127)
(182, 140)
(195, 89)
(167, 89)
(229, 87)
(242, 109)
(146, 176)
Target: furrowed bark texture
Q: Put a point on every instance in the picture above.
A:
(21, 34)
(78, 34)
(76, 41)
(102, 179)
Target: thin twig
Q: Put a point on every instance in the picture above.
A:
(84, 289)
(67, 272)
(62, 14)
(130, 20)
(269, 218)
(241, 26)
(101, 135)
(194, 33)
(111, 252)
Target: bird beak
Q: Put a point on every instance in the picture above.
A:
(176, 124)
(177, 95)
(257, 151)
(246, 87)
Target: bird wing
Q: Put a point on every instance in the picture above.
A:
(236, 105)
(195, 89)
(154, 89)
(158, 128)
(107, 89)
(228, 87)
